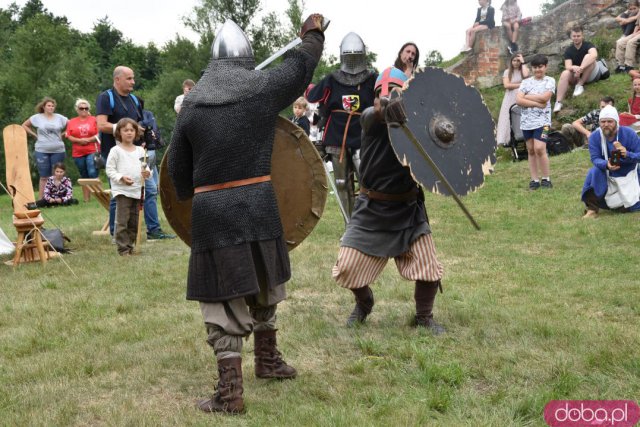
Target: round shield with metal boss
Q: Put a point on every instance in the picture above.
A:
(452, 125)
(298, 178)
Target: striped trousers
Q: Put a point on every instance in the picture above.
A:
(355, 269)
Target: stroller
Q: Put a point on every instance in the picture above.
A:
(517, 142)
(557, 142)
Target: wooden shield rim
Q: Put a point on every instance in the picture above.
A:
(394, 133)
(297, 225)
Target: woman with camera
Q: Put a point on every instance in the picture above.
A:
(511, 79)
(82, 131)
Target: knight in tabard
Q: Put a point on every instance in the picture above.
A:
(221, 155)
(342, 96)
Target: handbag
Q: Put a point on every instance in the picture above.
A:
(622, 191)
(56, 238)
(98, 161)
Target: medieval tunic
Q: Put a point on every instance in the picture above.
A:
(378, 227)
(225, 132)
(338, 98)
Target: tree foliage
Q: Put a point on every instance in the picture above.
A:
(549, 5)
(433, 59)
(42, 55)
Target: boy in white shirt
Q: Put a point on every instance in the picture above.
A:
(534, 95)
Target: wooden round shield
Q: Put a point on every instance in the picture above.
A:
(298, 177)
(453, 125)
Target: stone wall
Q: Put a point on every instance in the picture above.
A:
(547, 34)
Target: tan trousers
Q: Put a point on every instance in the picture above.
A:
(626, 48)
(228, 322)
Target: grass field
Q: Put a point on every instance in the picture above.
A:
(539, 305)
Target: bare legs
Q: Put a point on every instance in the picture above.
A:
(471, 34)
(538, 159)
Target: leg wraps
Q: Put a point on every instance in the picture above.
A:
(264, 318)
(425, 296)
(224, 345)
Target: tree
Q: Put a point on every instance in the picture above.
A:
(548, 5)
(433, 59)
(210, 13)
(34, 8)
(107, 37)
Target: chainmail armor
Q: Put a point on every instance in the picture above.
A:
(352, 79)
(225, 132)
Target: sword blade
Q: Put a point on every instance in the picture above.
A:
(438, 172)
(335, 193)
(279, 53)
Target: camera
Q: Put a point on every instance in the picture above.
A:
(615, 157)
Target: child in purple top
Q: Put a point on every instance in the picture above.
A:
(58, 190)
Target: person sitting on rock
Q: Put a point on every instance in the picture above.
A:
(580, 66)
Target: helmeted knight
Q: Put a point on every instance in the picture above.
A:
(221, 156)
(342, 96)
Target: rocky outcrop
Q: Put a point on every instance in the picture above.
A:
(546, 34)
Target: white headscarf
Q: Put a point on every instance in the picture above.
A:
(610, 112)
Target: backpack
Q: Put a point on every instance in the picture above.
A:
(56, 239)
(557, 143)
(112, 102)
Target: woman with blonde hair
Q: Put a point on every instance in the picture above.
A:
(82, 131)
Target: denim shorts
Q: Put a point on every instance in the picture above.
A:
(86, 166)
(533, 134)
(45, 162)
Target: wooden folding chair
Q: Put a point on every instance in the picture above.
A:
(28, 222)
(103, 196)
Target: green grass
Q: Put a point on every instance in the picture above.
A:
(538, 305)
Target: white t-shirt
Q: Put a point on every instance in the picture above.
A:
(534, 117)
(125, 163)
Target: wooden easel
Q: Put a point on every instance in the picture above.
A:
(29, 244)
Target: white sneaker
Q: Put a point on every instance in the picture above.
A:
(579, 90)
(465, 49)
(557, 107)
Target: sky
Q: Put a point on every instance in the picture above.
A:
(431, 24)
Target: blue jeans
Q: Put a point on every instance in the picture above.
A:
(45, 162)
(86, 166)
(150, 200)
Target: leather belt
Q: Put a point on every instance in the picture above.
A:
(232, 184)
(346, 129)
(401, 197)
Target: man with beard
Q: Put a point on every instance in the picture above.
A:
(342, 96)
(221, 155)
(389, 219)
(615, 154)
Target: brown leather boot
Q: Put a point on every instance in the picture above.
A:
(425, 296)
(364, 305)
(268, 360)
(228, 397)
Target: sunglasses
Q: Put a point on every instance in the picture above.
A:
(83, 108)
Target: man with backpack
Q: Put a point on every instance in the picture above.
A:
(112, 105)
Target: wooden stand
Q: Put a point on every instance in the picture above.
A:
(29, 244)
(103, 196)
